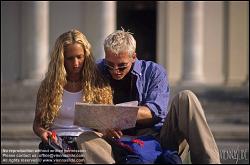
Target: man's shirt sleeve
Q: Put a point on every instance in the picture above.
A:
(157, 94)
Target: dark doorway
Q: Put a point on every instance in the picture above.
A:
(139, 18)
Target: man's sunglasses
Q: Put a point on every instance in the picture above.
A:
(120, 68)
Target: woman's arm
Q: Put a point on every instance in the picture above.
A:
(39, 130)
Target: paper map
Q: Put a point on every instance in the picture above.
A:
(103, 116)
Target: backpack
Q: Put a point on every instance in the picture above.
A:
(143, 150)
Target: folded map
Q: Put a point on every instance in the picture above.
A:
(103, 116)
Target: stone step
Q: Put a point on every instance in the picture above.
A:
(226, 112)
(18, 113)
(224, 107)
(229, 138)
(215, 112)
(17, 132)
(231, 113)
(28, 91)
(229, 118)
(217, 93)
(27, 116)
(20, 144)
(19, 92)
(220, 131)
(230, 131)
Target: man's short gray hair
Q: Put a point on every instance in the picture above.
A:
(120, 41)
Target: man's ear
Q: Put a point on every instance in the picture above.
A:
(133, 57)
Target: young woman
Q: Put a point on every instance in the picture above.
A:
(72, 76)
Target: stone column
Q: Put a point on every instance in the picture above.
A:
(161, 57)
(169, 38)
(192, 72)
(34, 39)
(107, 24)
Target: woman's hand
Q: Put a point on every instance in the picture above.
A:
(45, 135)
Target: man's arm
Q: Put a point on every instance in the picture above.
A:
(144, 116)
(156, 95)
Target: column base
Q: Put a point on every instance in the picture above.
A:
(192, 82)
(31, 82)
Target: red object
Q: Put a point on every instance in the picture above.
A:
(138, 141)
(54, 134)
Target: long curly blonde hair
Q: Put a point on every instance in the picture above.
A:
(95, 87)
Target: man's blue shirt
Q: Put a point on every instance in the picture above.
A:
(152, 87)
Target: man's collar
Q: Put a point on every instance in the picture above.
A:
(136, 67)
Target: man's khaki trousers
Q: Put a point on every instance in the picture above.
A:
(185, 129)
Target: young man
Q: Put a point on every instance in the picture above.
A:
(131, 79)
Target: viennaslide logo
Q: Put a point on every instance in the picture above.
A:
(234, 154)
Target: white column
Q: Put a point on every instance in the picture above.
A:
(107, 24)
(161, 57)
(34, 39)
(169, 38)
(193, 43)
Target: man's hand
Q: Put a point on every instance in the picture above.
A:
(113, 133)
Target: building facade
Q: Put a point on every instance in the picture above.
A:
(197, 42)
